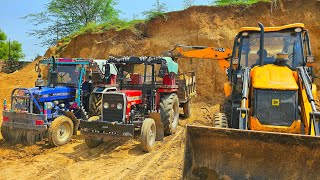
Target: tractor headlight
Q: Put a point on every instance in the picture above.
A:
(106, 105)
(119, 106)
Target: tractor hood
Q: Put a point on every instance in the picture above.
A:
(273, 77)
(46, 94)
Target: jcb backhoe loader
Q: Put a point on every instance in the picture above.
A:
(268, 127)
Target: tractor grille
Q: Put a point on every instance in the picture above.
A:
(113, 114)
(274, 107)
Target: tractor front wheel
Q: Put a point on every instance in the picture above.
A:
(60, 131)
(148, 134)
(169, 110)
(90, 141)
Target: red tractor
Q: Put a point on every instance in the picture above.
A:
(146, 102)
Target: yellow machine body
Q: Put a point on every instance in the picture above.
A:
(262, 151)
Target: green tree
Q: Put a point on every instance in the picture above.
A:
(158, 10)
(15, 48)
(63, 17)
(2, 36)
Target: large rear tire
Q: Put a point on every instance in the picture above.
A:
(148, 134)
(95, 101)
(169, 110)
(60, 131)
(92, 142)
(220, 120)
(187, 109)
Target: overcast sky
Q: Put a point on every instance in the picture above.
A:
(15, 27)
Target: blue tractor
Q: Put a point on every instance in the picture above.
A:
(54, 107)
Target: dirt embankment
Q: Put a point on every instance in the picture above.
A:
(211, 26)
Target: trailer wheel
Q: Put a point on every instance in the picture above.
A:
(220, 120)
(60, 131)
(187, 109)
(148, 134)
(169, 110)
(29, 138)
(12, 136)
(5, 132)
(92, 142)
(95, 101)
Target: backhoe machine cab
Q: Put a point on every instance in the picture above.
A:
(269, 115)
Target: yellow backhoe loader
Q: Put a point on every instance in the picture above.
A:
(268, 127)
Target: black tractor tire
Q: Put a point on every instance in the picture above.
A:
(5, 133)
(60, 131)
(187, 109)
(169, 110)
(29, 138)
(226, 108)
(92, 142)
(95, 104)
(220, 120)
(148, 134)
(11, 135)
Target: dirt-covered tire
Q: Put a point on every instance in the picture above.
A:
(11, 135)
(29, 138)
(148, 134)
(169, 110)
(95, 106)
(92, 142)
(60, 131)
(5, 132)
(187, 109)
(226, 108)
(220, 120)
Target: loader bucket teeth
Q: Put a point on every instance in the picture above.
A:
(212, 153)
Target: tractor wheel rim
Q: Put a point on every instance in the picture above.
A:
(63, 132)
(151, 136)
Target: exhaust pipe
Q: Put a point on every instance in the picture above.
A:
(261, 44)
(53, 74)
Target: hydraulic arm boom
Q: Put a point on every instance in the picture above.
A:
(201, 52)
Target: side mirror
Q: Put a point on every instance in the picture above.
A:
(310, 60)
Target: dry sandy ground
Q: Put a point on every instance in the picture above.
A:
(111, 160)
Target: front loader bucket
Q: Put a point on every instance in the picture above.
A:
(214, 153)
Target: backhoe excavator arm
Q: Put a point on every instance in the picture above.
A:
(201, 52)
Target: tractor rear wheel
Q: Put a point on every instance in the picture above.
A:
(95, 101)
(92, 142)
(187, 109)
(148, 134)
(220, 120)
(60, 131)
(169, 110)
